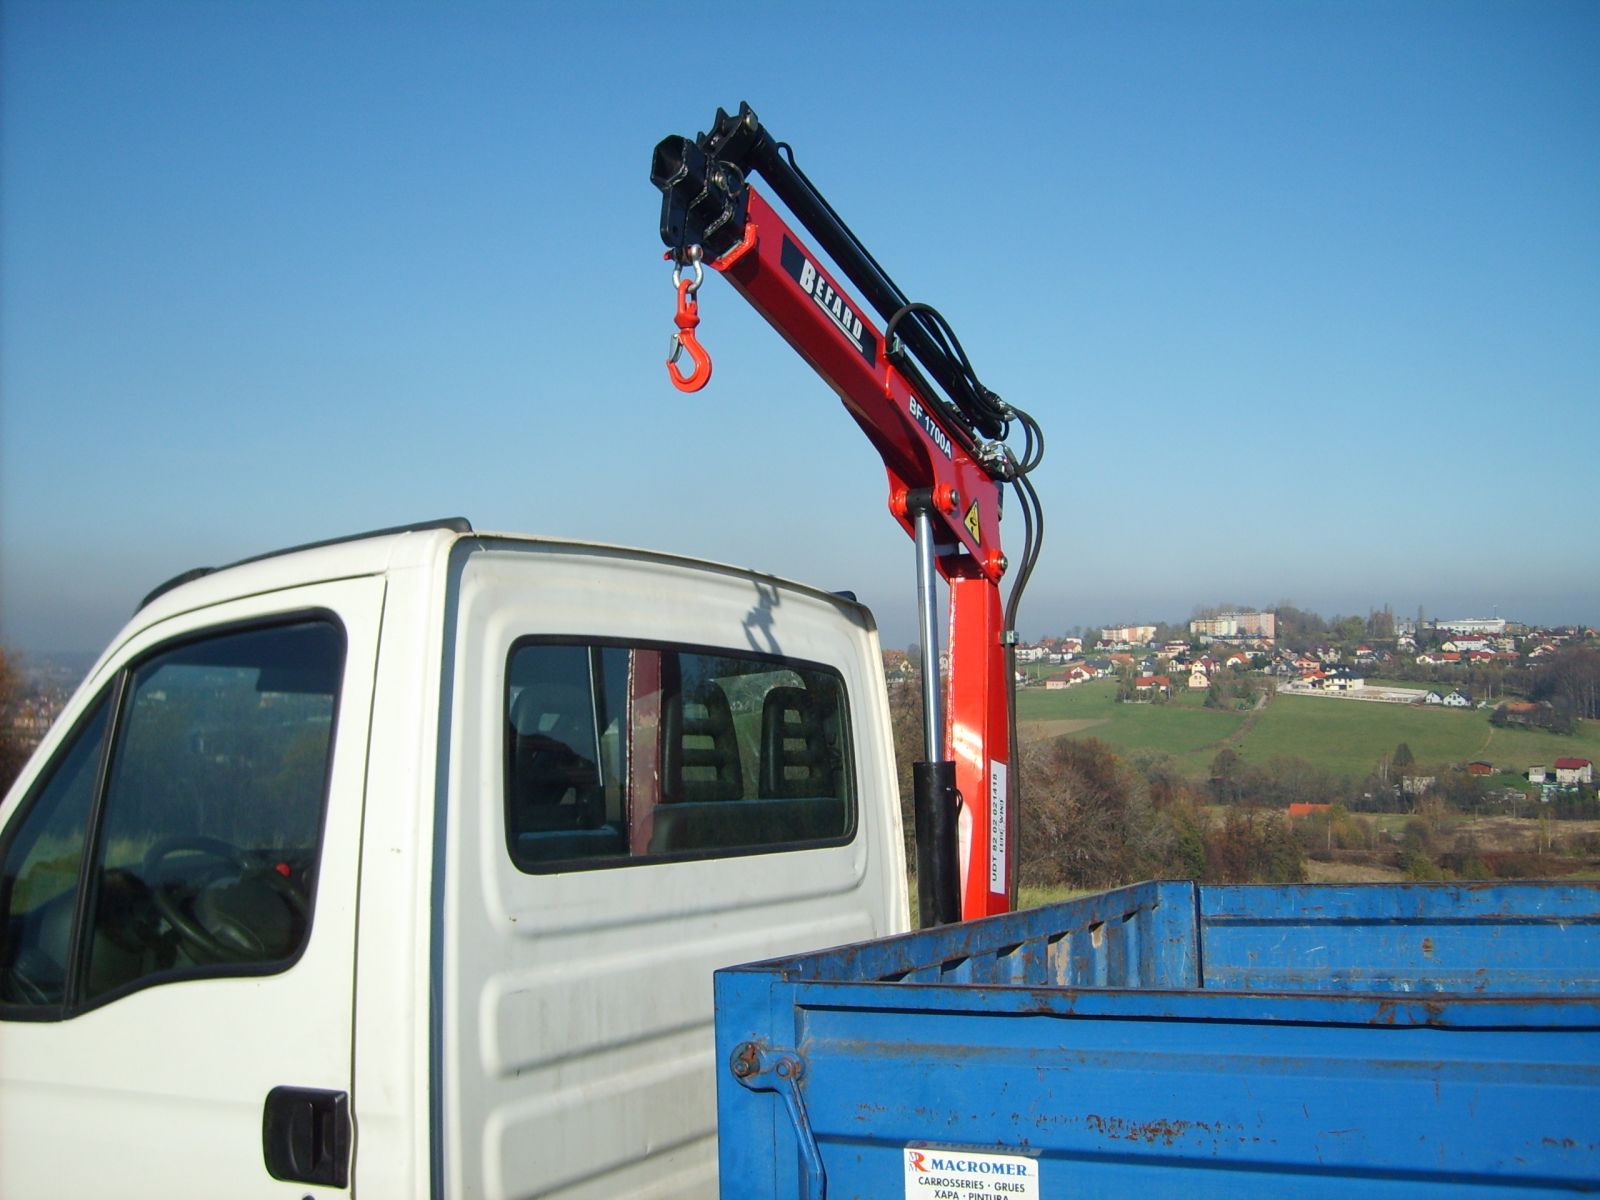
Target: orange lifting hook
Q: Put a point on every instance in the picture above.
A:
(688, 317)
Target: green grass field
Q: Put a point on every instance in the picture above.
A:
(1347, 737)
(1182, 729)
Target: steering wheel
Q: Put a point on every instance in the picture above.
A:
(190, 929)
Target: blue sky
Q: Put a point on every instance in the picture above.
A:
(1306, 296)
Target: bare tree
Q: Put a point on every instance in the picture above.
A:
(1078, 796)
(1572, 675)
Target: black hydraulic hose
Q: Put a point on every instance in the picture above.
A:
(840, 243)
(978, 404)
(1013, 797)
(1032, 541)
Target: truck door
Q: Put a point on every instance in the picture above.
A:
(657, 770)
(177, 884)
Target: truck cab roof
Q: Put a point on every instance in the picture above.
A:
(376, 551)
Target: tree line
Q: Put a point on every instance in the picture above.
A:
(1094, 819)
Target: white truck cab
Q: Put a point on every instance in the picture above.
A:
(399, 866)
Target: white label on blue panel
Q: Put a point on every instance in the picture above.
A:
(943, 1173)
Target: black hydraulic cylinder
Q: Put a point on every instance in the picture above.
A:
(933, 786)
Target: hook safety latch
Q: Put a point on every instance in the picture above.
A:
(684, 340)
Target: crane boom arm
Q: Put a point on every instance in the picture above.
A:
(940, 434)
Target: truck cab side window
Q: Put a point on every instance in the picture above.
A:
(203, 839)
(39, 879)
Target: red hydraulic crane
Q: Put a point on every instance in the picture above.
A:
(943, 438)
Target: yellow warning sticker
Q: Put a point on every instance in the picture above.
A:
(974, 525)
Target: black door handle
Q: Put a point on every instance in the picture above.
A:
(305, 1135)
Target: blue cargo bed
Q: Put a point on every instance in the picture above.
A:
(1184, 1040)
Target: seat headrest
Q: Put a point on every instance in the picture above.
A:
(546, 708)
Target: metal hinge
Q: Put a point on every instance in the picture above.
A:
(765, 1070)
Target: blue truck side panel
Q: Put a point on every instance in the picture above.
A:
(1424, 1040)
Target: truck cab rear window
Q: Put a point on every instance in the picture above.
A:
(619, 753)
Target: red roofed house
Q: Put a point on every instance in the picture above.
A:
(1073, 674)
(1153, 683)
(1574, 770)
(1306, 810)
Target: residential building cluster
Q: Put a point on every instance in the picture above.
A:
(31, 718)
(1127, 635)
(1249, 640)
(1262, 625)
(1492, 626)
(1567, 771)
(1159, 671)
(48, 685)
(1568, 774)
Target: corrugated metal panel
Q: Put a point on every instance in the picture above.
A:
(1472, 939)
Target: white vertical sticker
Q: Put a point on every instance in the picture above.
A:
(936, 1173)
(997, 827)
